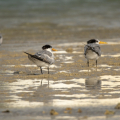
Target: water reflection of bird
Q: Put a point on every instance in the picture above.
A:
(43, 58)
(92, 50)
(1, 39)
(93, 83)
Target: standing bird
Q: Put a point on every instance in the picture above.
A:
(1, 39)
(43, 58)
(92, 50)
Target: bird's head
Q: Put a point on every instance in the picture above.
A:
(48, 47)
(96, 41)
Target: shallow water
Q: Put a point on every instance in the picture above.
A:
(100, 13)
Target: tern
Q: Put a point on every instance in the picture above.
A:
(43, 58)
(1, 39)
(92, 50)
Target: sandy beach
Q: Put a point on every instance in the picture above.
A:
(71, 86)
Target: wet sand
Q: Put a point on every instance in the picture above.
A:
(72, 90)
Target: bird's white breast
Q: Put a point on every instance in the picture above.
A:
(91, 55)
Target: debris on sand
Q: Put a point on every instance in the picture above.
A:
(117, 106)
(68, 110)
(79, 110)
(107, 112)
(6, 111)
(69, 50)
(43, 112)
(84, 117)
(65, 111)
(53, 112)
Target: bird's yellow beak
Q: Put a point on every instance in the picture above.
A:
(101, 42)
(54, 49)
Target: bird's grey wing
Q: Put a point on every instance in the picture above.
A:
(85, 49)
(94, 47)
(42, 52)
(97, 50)
(42, 57)
(46, 56)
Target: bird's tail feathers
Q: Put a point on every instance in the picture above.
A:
(27, 53)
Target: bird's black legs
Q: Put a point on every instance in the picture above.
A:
(96, 63)
(41, 70)
(88, 63)
(48, 70)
